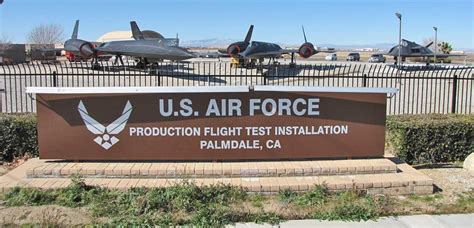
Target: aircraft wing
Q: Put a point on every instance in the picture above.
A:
(288, 51)
(447, 55)
(427, 55)
(269, 54)
(214, 54)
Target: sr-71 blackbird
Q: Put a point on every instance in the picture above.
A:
(145, 49)
(260, 50)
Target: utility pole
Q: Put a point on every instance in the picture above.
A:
(399, 59)
(435, 43)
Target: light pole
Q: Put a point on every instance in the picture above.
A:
(436, 43)
(399, 38)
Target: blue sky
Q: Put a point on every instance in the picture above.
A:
(326, 22)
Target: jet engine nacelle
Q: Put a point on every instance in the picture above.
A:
(235, 48)
(86, 49)
(306, 50)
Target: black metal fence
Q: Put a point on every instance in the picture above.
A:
(422, 89)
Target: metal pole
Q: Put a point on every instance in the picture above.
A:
(399, 58)
(1, 97)
(454, 94)
(55, 79)
(435, 43)
(399, 39)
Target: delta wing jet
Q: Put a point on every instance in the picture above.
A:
(260, 50)
(412, 49)
(145, 49)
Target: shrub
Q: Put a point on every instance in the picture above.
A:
(74, 195)
(351, 206)
(17, 136)
(433, 138)
(315, 197)
(266, 217)
(28, 197)
(287, 196)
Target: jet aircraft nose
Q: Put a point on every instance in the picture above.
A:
(184, 54)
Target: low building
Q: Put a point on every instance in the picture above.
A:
(12, 53)
(42, 52)
(127, 35)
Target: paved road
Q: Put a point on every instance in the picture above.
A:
(415, 221)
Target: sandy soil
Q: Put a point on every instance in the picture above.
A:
(50, 215)
(451, 181)
(3, 170)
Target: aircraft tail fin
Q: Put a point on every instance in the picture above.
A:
(304, 34)
(137, 34)
(249, 34)
(428, 45)
(76, 30)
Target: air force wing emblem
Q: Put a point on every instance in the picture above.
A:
(105, 135)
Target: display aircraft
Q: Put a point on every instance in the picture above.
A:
(412, 49)
(260, 50)
(145, 49)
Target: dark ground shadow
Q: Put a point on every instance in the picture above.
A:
(188, 76)
(276, 72)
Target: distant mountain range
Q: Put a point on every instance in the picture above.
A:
(224, 42)
(208, 43)
(381, 46)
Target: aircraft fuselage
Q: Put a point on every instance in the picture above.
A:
(153, 49)
(258, 49)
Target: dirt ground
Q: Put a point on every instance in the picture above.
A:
(450, 181)
(49, 215)
(3, 170)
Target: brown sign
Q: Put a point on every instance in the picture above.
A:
(211, 126)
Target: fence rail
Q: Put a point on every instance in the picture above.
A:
(422, 89)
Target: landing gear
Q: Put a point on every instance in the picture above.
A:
(293, 62)
(95, 65)
(117, 58)
(142, 64)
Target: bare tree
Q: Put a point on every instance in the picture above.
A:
(46, 34)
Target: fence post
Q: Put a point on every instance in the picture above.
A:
(364, 80)
(55, 79)
(157, 73)
(455, 91)
(1, 98)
